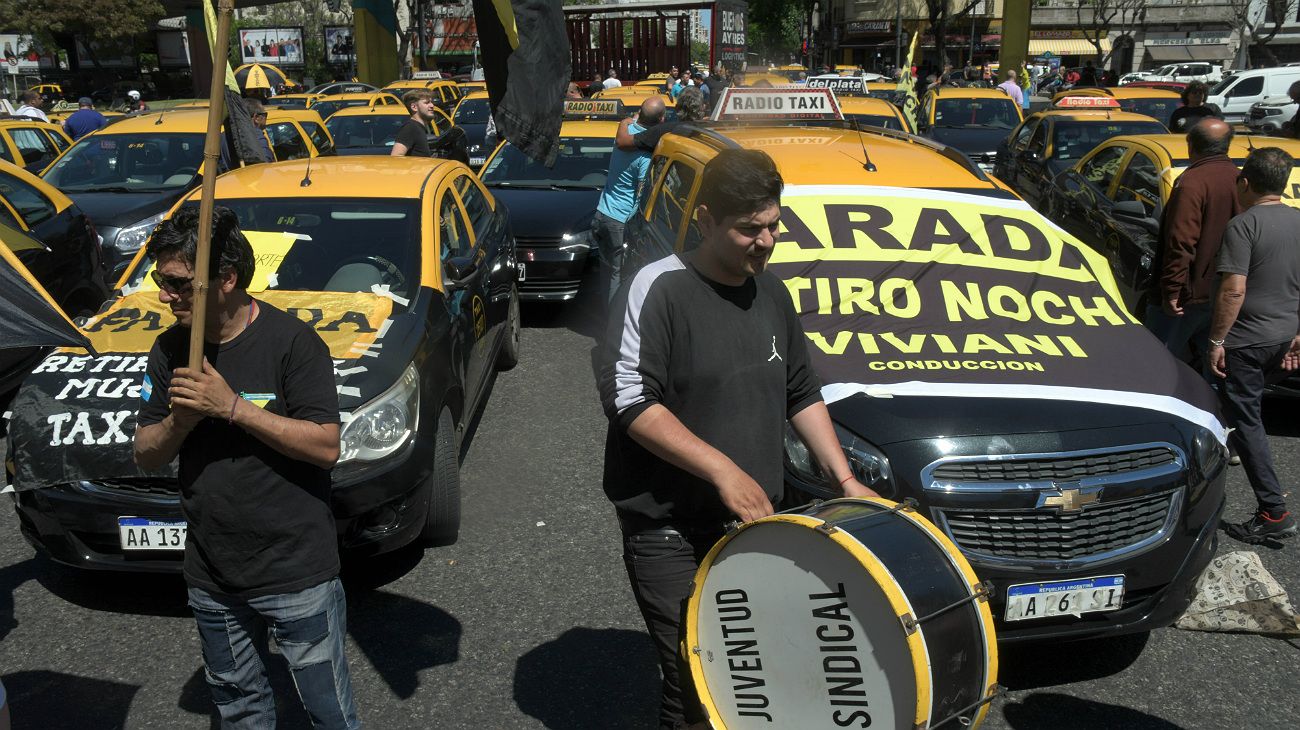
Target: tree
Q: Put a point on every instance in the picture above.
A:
(1256, 23)
(1096, 17)
(941, 14)
(772, 27)
(102, 22)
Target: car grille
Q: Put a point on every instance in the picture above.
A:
(538, 241)
(550, 289)
(140, 487)
(1065, 468)
(1046, 534)
(1256, 113)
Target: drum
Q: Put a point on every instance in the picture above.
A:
(851, 613)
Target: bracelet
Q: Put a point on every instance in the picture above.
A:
(845, 479)
(231, 421)
(1216, 343)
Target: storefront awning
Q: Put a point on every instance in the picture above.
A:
(1066, 47)
(1209, 52)
(1206, 52)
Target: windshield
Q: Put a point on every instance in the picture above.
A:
(472, 111)
(887, 94)
(583, 163)
(298, 103)
(322, 250)
(326, 108)
(375, 130)
(986, 113)
(1072, 140)
(128, 163)
(876, 120)
(1160, 109)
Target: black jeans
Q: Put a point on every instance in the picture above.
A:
(1242, 396)
(661, 564)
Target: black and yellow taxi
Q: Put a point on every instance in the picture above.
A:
(31, 143)
(418, 320)
(127, 175)
(1159, 104)
(49, 92)
(294, 133)
(471, 115)
(972, 119)
(58, 244)
(551, 208)
(881, 89)
(328, 105)
(1113, 198)
(372, 131)
(1049, 141)
(446, 93)
(293, 101)
(976, 359)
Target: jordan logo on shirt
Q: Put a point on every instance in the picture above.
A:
(775, 355)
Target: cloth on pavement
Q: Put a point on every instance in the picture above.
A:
(1237, 594)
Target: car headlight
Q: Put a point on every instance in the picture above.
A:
(579, 241)
(381, 427)
(869, 465)
(1210, 454)
(130, 239)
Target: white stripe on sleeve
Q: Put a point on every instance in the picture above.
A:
(628, 384)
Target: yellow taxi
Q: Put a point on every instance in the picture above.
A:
(48, 92)
(881, 89)
(919, 283)
(1049, 141)
(874, 112)
(405, 269)
(30, 143)
(789, 71)
(471, 115)
(445, 91)
(372, 130)
(631, 97)
(551, 208)
(327, 105)
(973, 120)
(1112, 199)
(1159, 104)
(296, 133)
(468, 87)
(295, 101)
(762, 79)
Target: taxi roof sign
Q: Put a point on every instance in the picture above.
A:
(839, 84)
(1087, 102)
(426, 75)
(587, 108)
(780, 102)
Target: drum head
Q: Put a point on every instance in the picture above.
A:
(792, 627)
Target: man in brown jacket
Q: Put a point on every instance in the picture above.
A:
(1203, 201)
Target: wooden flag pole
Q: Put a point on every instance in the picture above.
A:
(207, 199)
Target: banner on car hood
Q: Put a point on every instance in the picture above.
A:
(966, 295)
(74, 416)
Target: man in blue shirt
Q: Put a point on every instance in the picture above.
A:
(85, 120)
(627, 171)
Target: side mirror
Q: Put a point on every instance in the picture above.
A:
(1135, 213)
(458, 270)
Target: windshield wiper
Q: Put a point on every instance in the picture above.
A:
(539, 186)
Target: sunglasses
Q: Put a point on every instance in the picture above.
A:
(172, 284)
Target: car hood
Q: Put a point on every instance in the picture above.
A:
(548, 213)
(119, 210)
(74, 414)
(1282, 100)
(970, 140)
(474, 133)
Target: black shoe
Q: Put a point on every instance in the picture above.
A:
(1262, 527)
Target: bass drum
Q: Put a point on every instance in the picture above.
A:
(852, 613)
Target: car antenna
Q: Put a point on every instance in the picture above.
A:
(160, 116)
(867, 164)
(306, 178)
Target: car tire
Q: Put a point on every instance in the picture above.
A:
(508, 355)
(442, 519)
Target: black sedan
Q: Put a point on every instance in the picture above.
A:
(417, 321)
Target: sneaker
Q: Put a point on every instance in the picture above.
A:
(1262, 527)
(1234, 460)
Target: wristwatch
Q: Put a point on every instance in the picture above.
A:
(1216, 343)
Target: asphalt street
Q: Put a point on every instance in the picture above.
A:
(528, 622)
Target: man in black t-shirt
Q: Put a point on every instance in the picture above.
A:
(413, 138)
(699, 375)
(1193, 110)
(256, 432)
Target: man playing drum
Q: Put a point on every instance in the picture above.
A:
(704, 362)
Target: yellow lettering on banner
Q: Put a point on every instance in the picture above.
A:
(889, 292)
(970, 304)
(1042, 343)
(868, 343)
(1101, 309)
(972, 344)
(796, 285)
(856, 294)
(1040, 300)
(912, 346)
(976, 344)
(1071, 346)
(945, 344)
(823, 295)
(1018, 308)
(841, 344)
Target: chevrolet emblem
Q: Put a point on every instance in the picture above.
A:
(1069, 500)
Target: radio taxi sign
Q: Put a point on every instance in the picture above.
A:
(593, 108)
(787, 102)
(1087, 102)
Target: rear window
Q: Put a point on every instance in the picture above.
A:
(990, 113)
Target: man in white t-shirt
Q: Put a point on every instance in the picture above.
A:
(31, 107)
(612, 81)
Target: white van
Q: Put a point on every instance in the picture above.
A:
(1235, 94)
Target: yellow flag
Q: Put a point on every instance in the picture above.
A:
(906, 84)
(210, 24)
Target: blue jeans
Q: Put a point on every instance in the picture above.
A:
(608, 235)
(309, 628)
